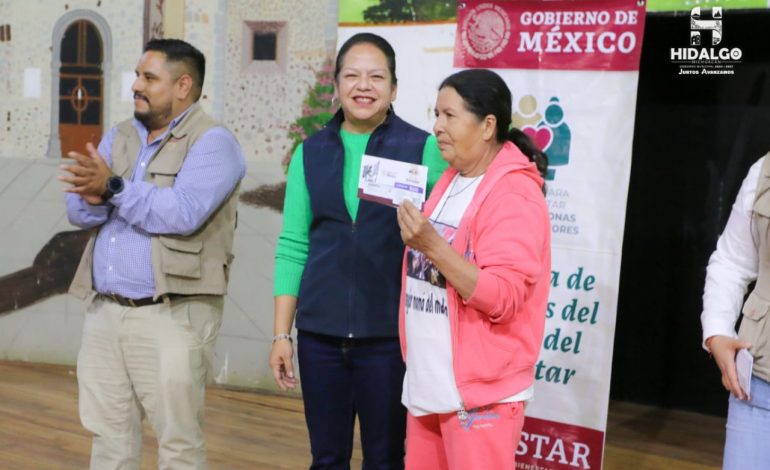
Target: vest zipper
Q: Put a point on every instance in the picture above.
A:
(354, 231)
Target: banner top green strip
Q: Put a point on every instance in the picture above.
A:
(687, 5)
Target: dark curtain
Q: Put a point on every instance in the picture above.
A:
(695, 138)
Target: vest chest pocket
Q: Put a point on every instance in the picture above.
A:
(754, 324)
(165, 166)
(181, 257)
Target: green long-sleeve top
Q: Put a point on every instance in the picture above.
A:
(294, 240)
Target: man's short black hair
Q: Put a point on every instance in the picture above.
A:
(183, 52)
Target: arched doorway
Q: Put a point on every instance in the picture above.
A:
(81, 88)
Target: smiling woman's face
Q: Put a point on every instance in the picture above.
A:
(364, 88)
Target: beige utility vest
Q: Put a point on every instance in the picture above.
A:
(755, 311)
(198, 263)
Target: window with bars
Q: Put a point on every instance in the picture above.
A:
(264, 46)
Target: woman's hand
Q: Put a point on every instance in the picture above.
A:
(724, 349)
(416, 230)
(282, 351)
(281, 355)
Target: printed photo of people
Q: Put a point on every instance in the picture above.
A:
(418, 266)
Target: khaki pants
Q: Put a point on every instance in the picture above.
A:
(153, 361)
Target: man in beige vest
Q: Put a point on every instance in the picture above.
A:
(742, 256)
(159, 195)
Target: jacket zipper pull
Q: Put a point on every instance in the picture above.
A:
(462, 415)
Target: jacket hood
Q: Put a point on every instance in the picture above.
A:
(511, 159)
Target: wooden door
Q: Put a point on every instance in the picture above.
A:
(80, 87)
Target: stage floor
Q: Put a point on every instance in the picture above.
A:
(245, 430)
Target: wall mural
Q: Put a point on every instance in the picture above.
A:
(317, 108)
(50, 274)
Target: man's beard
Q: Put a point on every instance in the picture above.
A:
(153, 118)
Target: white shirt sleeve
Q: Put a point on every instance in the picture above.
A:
(733, 265)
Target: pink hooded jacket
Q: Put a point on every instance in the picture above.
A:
(505, 231)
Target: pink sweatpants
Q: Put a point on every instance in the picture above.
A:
(487, 439)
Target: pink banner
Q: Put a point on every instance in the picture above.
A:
(548, 445)
(559, 34)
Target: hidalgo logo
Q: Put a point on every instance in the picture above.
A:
(486, 31)
(698, 59)
(697, 25)
(547, 128)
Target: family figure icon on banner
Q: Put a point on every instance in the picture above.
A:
(547, 129)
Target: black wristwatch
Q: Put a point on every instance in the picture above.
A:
(114, 186)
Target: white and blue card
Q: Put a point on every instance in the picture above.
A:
(391, 182)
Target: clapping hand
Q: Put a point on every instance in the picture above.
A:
(88, 175)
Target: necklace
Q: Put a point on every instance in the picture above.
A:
(468, 185)
(452, 194)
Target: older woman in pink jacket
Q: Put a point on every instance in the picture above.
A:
(471, 329)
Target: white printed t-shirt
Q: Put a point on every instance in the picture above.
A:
(429, 383)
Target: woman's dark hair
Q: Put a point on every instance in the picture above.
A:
(368, 38)
(485, 93)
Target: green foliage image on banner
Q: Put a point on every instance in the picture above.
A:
(396, 11)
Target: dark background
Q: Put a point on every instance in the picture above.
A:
(695, 138)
